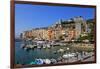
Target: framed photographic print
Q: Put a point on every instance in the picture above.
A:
(52, 34)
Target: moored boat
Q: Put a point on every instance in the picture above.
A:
(69, 55)
(46, 61)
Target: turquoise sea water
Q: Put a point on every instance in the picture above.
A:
(25, 57)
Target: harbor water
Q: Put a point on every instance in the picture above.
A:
(25, 57)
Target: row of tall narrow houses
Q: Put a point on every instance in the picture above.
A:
(61, 30)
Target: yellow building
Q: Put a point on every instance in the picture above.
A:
(68, 30)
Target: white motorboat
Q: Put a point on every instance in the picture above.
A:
(69, 55)
(39, 47)
(60, 50)
(48, 45)
(46, 61)
(44, 46)
(53, 60)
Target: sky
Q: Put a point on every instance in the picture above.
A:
(29, 16)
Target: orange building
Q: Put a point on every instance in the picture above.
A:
(49, 34)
